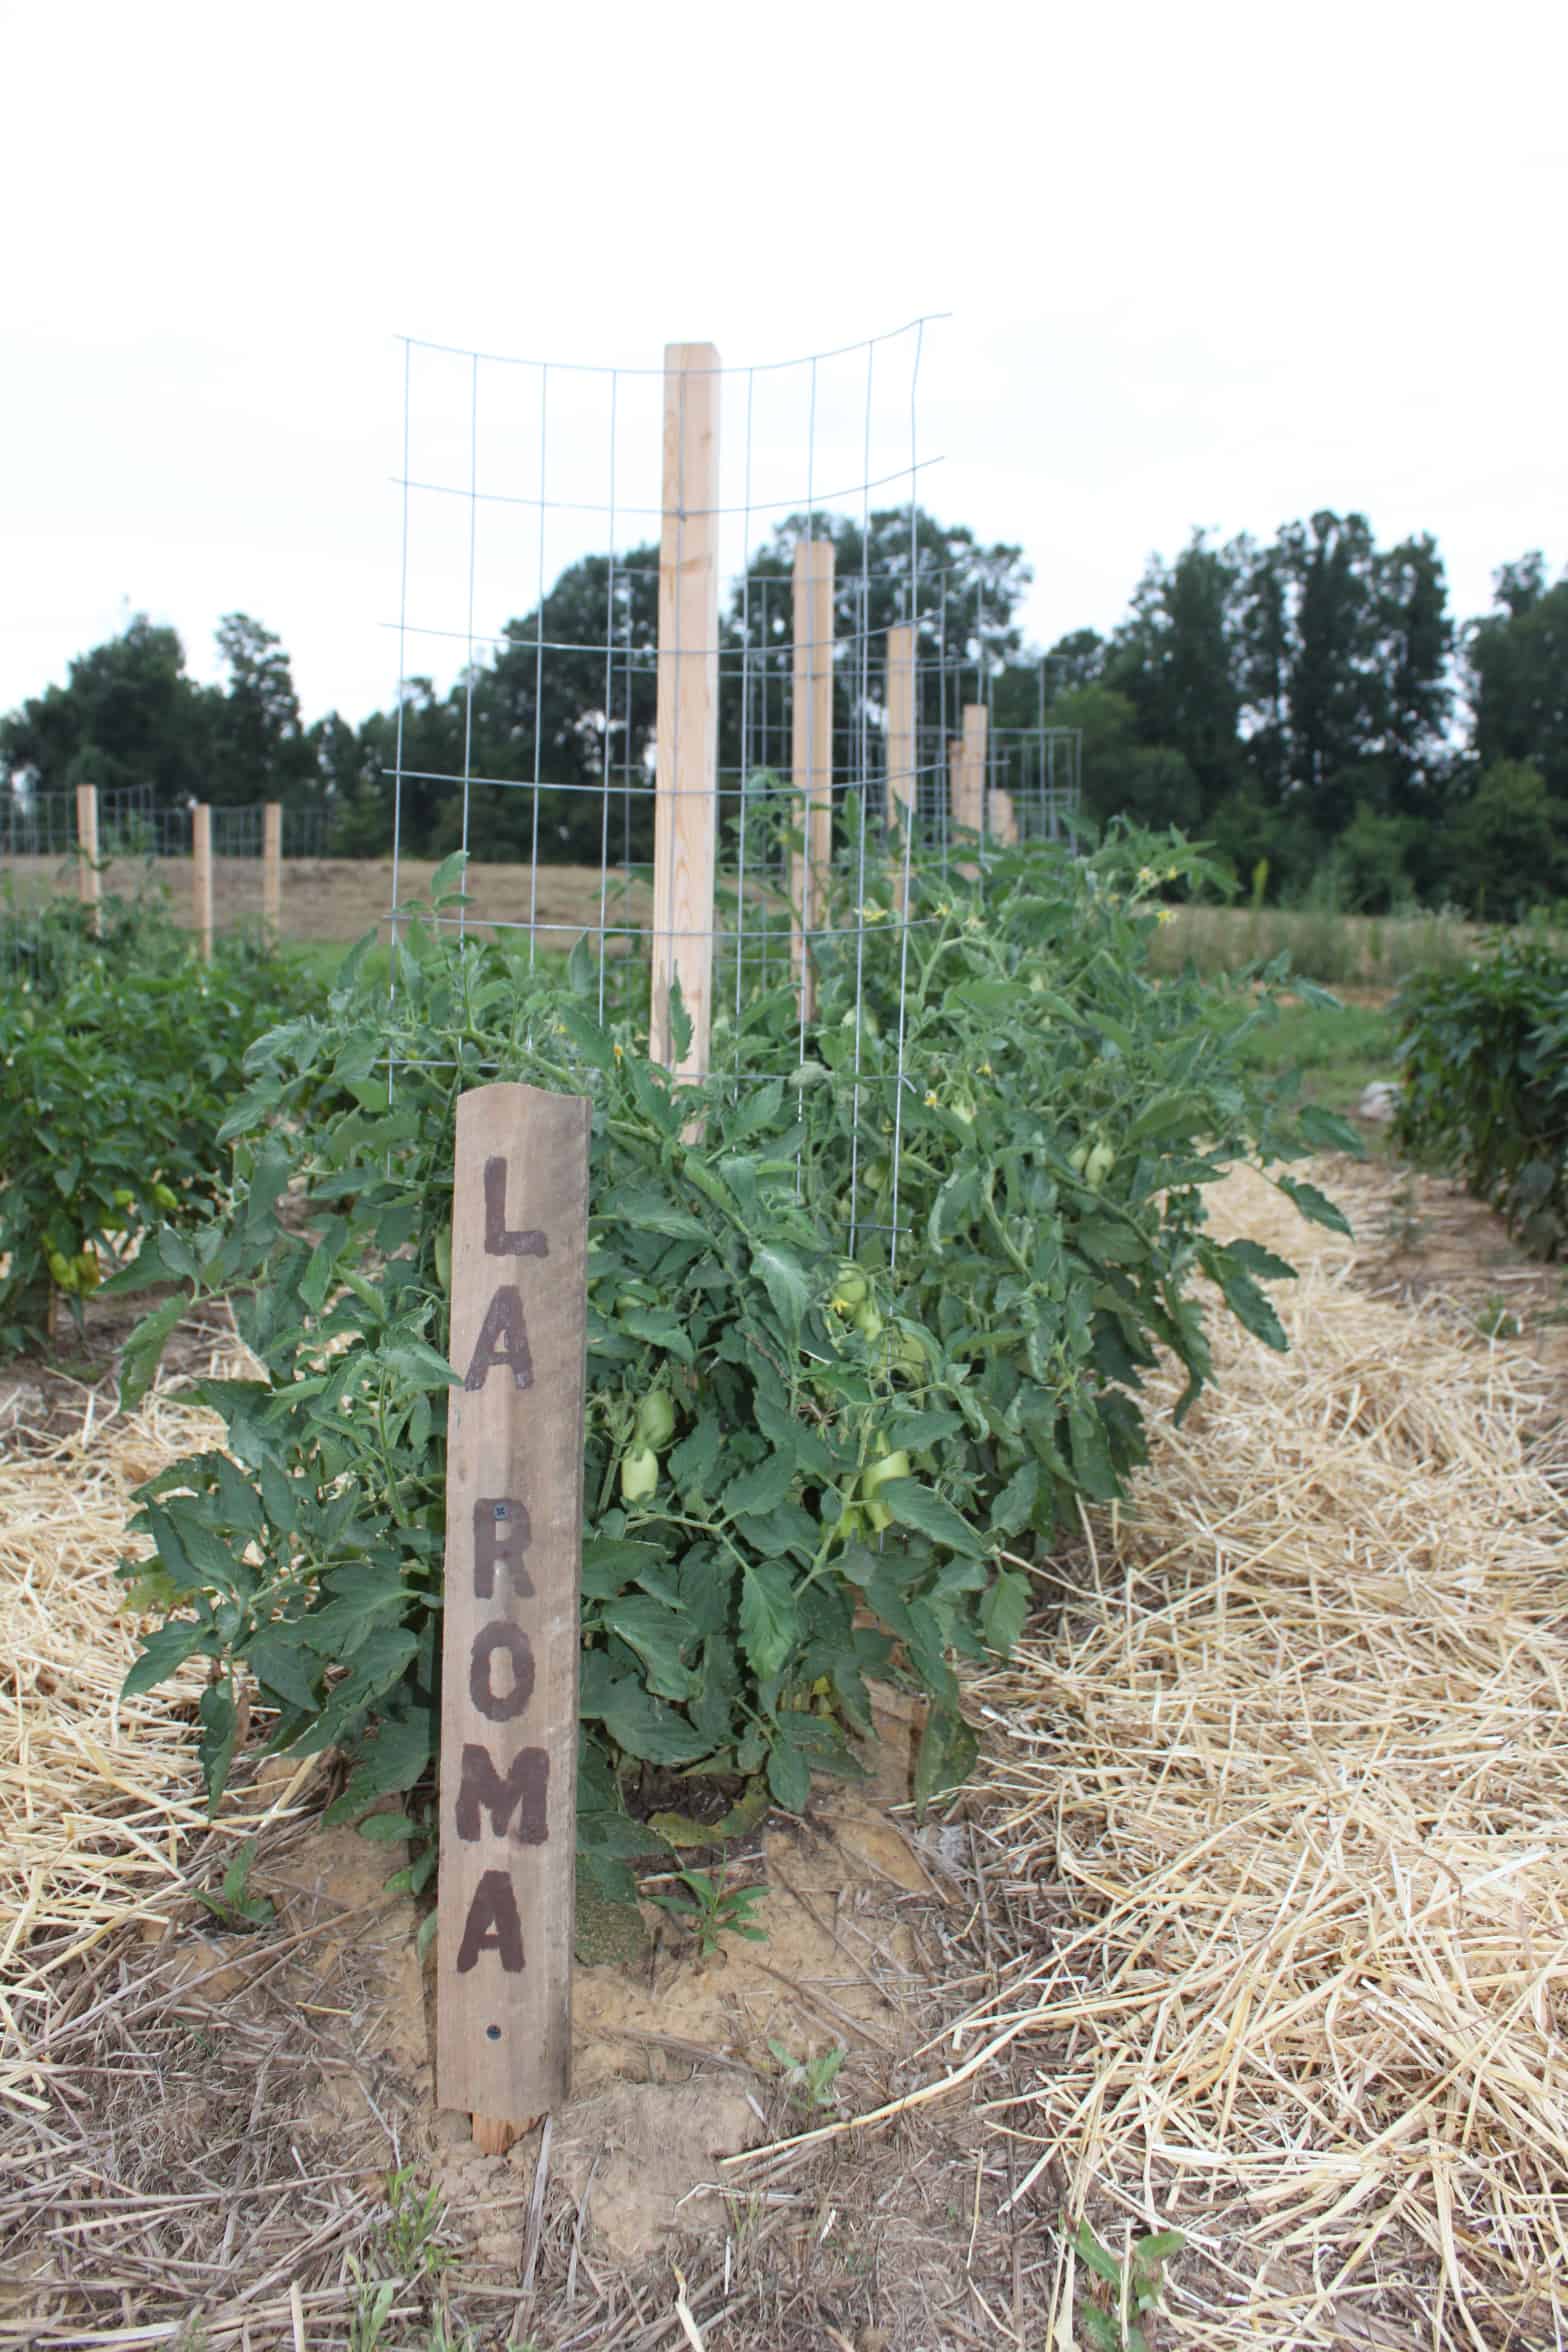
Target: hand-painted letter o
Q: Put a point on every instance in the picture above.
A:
(496, 1706)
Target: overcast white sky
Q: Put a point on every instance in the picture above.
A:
(1213, 265)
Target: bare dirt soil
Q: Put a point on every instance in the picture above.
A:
(219, 2139)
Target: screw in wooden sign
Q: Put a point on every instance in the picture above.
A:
(510, 1621)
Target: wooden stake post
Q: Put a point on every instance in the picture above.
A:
(272, 867)
(89, 879)
(967, 769)
(510, 1631)
(1003, 817)
(201, 876)
(901, 763)
(811, 750)
(685, 813)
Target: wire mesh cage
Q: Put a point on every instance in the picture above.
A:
(740, 732)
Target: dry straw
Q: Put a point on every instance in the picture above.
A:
(1299, 1757)
(99, 1795)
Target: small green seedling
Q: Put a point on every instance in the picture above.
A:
(1134, 2283)
(712, 1911)
(412, 2228)
(232, 1906)
(811, 2082)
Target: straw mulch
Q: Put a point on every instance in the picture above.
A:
(1278, 1816)
(98, 1795)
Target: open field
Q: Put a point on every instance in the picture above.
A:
(1252, 1923)
(342, 898)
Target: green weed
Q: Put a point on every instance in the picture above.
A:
(712, 1910)
(1134, 2285)
(811, 2082)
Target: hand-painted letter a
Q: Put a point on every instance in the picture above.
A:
(503, 1339)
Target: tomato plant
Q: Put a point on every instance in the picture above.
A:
(801, 1461)
(119, 1057)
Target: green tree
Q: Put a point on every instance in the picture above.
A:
(1151, 783)
(1516, 660)
(259, 749)
(1506, 847)
(1177, 658)
(1372, 856)
(570, 702)
(127, 715)
(960, 595)
(1416, 637)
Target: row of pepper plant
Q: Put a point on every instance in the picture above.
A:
(805, 1463)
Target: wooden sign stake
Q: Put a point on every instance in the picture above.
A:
(686, 771)
(509, 1624)
(811, 753)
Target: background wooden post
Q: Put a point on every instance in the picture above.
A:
(902, 783)
(1002, 817)
(969, 798)
(966, 774)
(811, 752)
(272, 867)
(514, 1474)
(89, 879)
(201, 876)
(686, 801)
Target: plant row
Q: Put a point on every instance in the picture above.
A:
(863, 1329)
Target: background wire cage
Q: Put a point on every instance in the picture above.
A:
(718, 746)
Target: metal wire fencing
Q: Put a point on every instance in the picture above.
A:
(743, 724)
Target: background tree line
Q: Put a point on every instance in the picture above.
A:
(1307, 704)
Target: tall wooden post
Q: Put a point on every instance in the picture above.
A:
(969, 802)
(966, 770)
(902, 777)
(1002, 817)
(272, 867)
(89, 880)
(686, 801)
(811, 753)
(514, 1503)
(201, 876)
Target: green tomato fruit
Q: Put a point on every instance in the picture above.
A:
(1098, 1165)
(124, 1198)
(877, 1474)
(60, 1271)
(1078, 1158)
(867, 1321)
(656, 1418)
(165, 1196)
(849, 1291)
(639, 1473)
(878, 1516)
